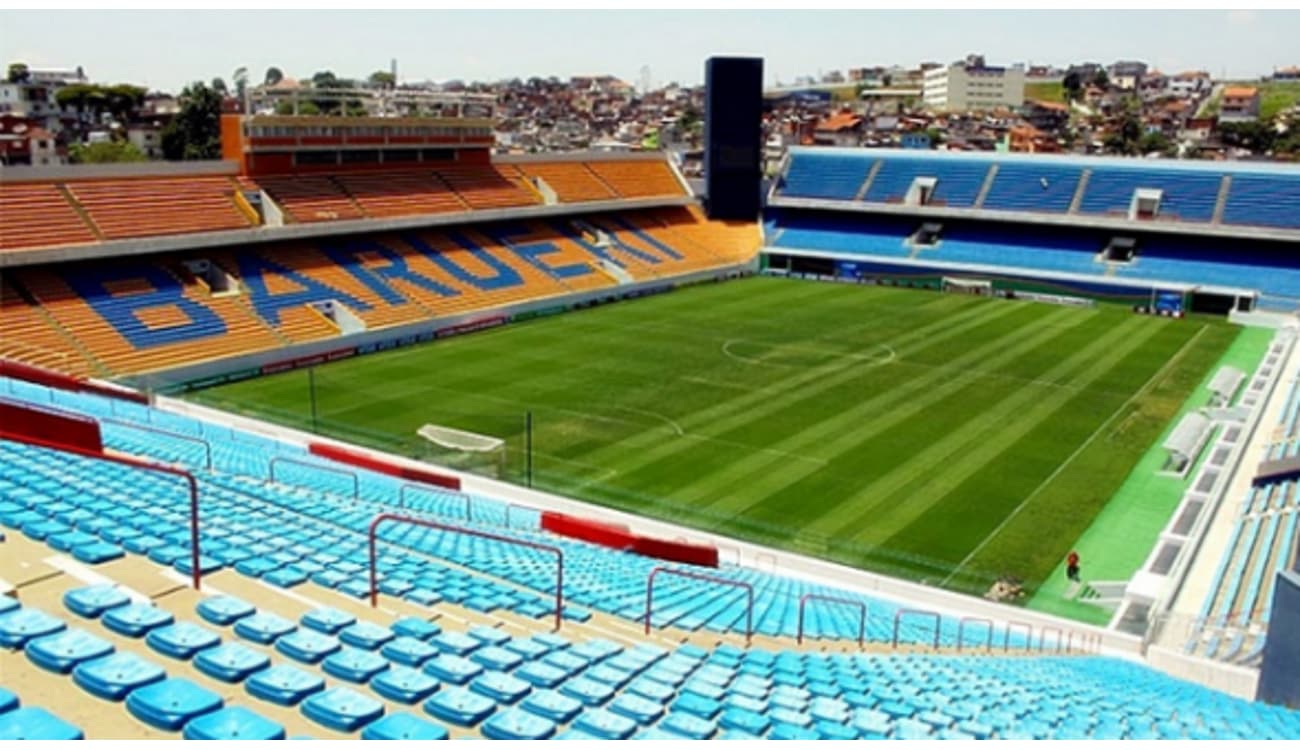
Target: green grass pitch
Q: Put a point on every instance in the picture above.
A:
(943, 438)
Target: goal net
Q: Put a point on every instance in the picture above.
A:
(465, 451)
(977, 287)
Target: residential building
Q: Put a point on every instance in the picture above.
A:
(971, 85)
(1287, 74)
(1192, 83)
(1126, 75)
(840, 129)
(1239, 104)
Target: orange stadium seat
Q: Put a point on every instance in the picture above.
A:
(486, 186)
(404, 193)
(38, 214)
(307, 198)
(30, 336)
(153, 206)
(572, 181)
(638, 179)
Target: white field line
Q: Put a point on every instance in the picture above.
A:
(1077, 451)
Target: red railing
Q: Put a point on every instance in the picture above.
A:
(1042, 637)
(401, 496)
(207, 447)
(559, 554)
(898, 617)
(195, 573)
(961, 630)
(650, 593)
(1006, 635)
(356, 481)
(862, 618)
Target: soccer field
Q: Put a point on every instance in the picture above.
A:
(944, 438)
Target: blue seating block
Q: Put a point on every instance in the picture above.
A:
(223, 610)
(181, 640)
(518, 724)
(18, 626)
(170, 703)
(134, 620)
(403, 726)
(404, 684)
(342, 709)
(284, 684)
(63, 651)
(264, 627)
(35, 723)
(231, 662)
(233, 723)
(113, 677)
(459, 706)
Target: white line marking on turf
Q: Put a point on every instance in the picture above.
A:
(652, 414)
(80, 572)
(1095, 433)
(874, 359)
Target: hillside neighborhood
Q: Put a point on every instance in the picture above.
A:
(53, 116)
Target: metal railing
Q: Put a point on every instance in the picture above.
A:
(393, 517)
(207, 447)
(195, 573)
(356, 481)
(862, 610)
(898, 618)
(650, 592)
(401, 496)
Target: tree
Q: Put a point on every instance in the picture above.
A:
(104, 153)
(382, 79)
(1073, 86)
(1156, 142)
(19, 72)
(1125, 139)
(1258, 137)
(1100, 79)
(240, 77)
(195, 132)
(122, 99)
(273, 76)
(218, 85)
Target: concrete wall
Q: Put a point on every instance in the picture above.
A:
(1233, 680)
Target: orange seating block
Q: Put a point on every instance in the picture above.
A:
(572, 181)
(37, 214)
(308, 198)
(486, 186)
(402, 193)
(151, 206)
(638, 179)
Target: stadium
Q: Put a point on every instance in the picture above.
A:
(366, 432)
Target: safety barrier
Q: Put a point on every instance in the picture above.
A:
(356, 481)
(898, 617)
(382, 517)
(650, 592)
(961, 631)
(1042, 637)
(862, 619)
(1006, 634)
(195, 574)
(207, 447)
(401, 497)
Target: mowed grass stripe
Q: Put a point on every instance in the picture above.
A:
(909, 391)
(872, 439)
(882, 508)
(802, 384)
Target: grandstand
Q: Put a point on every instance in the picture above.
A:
(173, 570)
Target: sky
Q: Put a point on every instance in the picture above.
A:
(164, 50)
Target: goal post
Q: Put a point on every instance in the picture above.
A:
(977, 287)
(466, 451)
